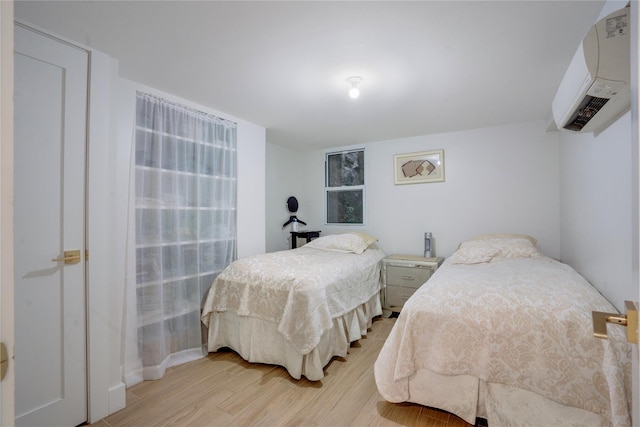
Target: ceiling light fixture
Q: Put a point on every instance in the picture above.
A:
(354, 81)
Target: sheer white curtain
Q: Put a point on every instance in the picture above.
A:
(182, 231)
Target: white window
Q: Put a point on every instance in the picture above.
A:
(345, 187)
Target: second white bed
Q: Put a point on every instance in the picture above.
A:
(297, 308)
(503, 333)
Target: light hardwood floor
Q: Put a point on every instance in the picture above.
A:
(224, 390)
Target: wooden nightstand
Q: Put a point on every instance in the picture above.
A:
(402, 275)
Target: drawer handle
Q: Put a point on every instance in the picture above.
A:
(408, 277)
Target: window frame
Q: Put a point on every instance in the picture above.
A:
(336, 185)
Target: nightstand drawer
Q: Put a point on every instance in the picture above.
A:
(396, 296)
(411, 277)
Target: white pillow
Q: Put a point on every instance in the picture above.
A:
(491, 248)
(516, 248)
(474, 252)
(506, 236)
(353, 242)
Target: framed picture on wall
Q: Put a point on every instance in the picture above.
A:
(420, 167)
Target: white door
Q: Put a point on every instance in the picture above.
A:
(50, 115)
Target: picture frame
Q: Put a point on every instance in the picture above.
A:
(419, 167)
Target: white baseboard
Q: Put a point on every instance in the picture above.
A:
(117, 398)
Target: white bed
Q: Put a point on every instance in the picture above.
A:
(503, 333)
(297, 308)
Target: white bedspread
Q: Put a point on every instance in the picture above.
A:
(523, 323)
(299, 290)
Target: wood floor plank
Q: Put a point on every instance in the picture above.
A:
(222, 389)
(436, 414)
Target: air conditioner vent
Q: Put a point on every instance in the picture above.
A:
(595, 90)
(585, 112)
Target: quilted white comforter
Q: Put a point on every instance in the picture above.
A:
(299, 290)
(523, 323)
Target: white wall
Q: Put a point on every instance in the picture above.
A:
(106, 389)
(284, 178)
(599, 193)
(596, 212)
(500, 179)
(251, 214)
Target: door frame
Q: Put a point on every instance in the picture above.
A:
(635, 140)
(7, 386)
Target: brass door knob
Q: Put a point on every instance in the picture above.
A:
(70, 257)
(629, 320)
(4, 361)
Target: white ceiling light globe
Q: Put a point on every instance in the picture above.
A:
(354, 81)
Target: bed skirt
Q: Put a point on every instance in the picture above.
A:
(470, 398)
(258, 341)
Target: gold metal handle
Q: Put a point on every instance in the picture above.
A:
(629, 320)
(4, 361)
(70, 257)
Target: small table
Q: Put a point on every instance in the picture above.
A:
(309, 235)
(402, 275)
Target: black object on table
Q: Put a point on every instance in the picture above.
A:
(309, 235)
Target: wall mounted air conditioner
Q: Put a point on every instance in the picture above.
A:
(595, 90)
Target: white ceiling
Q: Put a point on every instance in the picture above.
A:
(428, 66)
